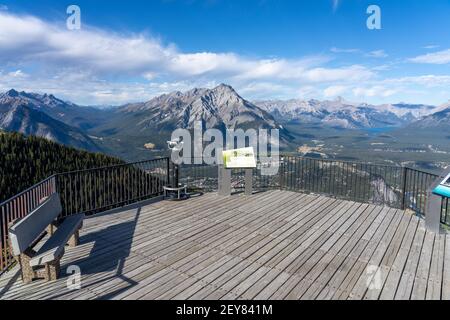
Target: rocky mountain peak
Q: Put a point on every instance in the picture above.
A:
(12, 93)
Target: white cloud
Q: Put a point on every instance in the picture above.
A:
(440, 57)
(422, 81)
(345, 74)
(431, 46)
(17, 74)
(374, 91)
(340, 50)
(93, 66)
(28, 39)
(95, 60)
(334, 91)
(377, 54)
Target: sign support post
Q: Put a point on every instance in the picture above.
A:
(224, 175)
(439, 189)
(248, 182)
(236, 159)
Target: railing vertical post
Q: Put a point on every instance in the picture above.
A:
(168, 170)
(405, 176)
(177, 175)
(281, 172)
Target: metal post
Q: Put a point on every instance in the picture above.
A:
(248, 182)
(281, 172)
(168, 171)
(405, 176)
(224, 175)
(177, 175)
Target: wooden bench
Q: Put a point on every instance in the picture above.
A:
(25, 233)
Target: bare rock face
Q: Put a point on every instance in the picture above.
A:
(218, 107)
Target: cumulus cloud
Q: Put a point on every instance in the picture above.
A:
(29, 39)
(439, 57)
(374, 91)
(85, 65)
(95, 66)
(334, 91)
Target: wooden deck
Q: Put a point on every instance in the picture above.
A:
(272, 245)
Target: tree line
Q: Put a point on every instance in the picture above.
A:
(27, 160)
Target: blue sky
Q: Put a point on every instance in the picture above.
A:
(267, 49)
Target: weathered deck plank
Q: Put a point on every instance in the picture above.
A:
(272, 245)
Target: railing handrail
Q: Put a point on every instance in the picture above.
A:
(345, 161)
(28, 189)
(367, 163)
(424, 171)
(112, 166)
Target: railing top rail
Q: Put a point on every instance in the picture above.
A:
(27, 190)
(113, 166)
(73, 172)
(438, 175)
(344, 161)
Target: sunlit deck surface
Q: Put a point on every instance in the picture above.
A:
(272, 245)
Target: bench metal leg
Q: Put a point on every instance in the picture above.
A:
(74, 239)
(52, 270)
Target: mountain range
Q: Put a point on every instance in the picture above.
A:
(130, 130)
(348, 115)
(44, 116)
(219, 108)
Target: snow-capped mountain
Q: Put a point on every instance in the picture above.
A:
(221, 107)
(437, 120)
(130, 127)
(345, 114)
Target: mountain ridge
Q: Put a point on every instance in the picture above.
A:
(126, 130)
(341, 113)
(29, 114)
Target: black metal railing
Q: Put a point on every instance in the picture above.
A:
(86, 191)
(354, 181)
(18, 207)
(204, 177)
(393, 186)
(97, 190)
(415, 189)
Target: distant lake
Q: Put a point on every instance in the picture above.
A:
(377, 131)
